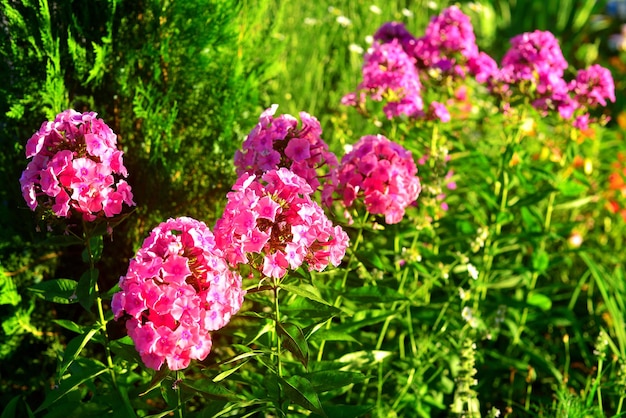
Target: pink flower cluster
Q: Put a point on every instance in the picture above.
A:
(379, 172)
(177, 289)
(272, 223)
(74, 163)
(277, 142)
(534, 66)
(389, 75)
(448, 42)
(536, 57)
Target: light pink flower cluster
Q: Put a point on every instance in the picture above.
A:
(389, 75)
(277, 142)
(379, 172)
(177, 289)
(74, 163)
(272, 223)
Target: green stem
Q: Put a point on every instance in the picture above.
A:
(179, 400)
(279, 367)
(102, 319)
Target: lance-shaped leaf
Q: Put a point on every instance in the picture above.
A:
(293, 340)
(299, 391)
(305, 290)
(57, 290)
(86, 289)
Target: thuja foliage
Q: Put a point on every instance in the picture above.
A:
(179, 95)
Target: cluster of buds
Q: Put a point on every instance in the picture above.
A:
(75, 162)
(177, 289)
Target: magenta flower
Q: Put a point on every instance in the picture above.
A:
(178, 288)
(593, 86)
(75, 168)
(271, 223)
(277, 142)
(395, 30)
(379, 173)
(390, 76)
(536, 57)
(448, 41)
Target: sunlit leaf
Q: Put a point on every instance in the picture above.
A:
(57, 290)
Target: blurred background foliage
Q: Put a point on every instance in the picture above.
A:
(181, 83)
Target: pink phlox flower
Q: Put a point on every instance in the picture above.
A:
(533, 54)
(439, 111)
(277, 142)
(483, 68)
(386, 189)
(449, 40)
(176, 280)
(389, 75)
(288, 228)
(593, 86)
(75, 156)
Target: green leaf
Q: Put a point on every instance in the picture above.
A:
(158, 377)
(70, 325)
(293, 340)
(571, 188)
(365, 358)
(209, 389)
(325, 380)
(74, 347)
(10, 409)
(374, 294)
(305, 290)
(539, 300)
(332, 335)
(299, 391)
(347, 411)
(8, 291)
(86, 289)
(69, 385)
(541, 261)
(57, 290)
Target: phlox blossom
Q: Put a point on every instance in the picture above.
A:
(379, 173)
(272, 223)
(593, 86)
(535, 59)
(390, 76)
(278, 142)
(448, 41)
(75, 168)
(178, 288)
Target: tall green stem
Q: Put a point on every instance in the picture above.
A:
(102, 319)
